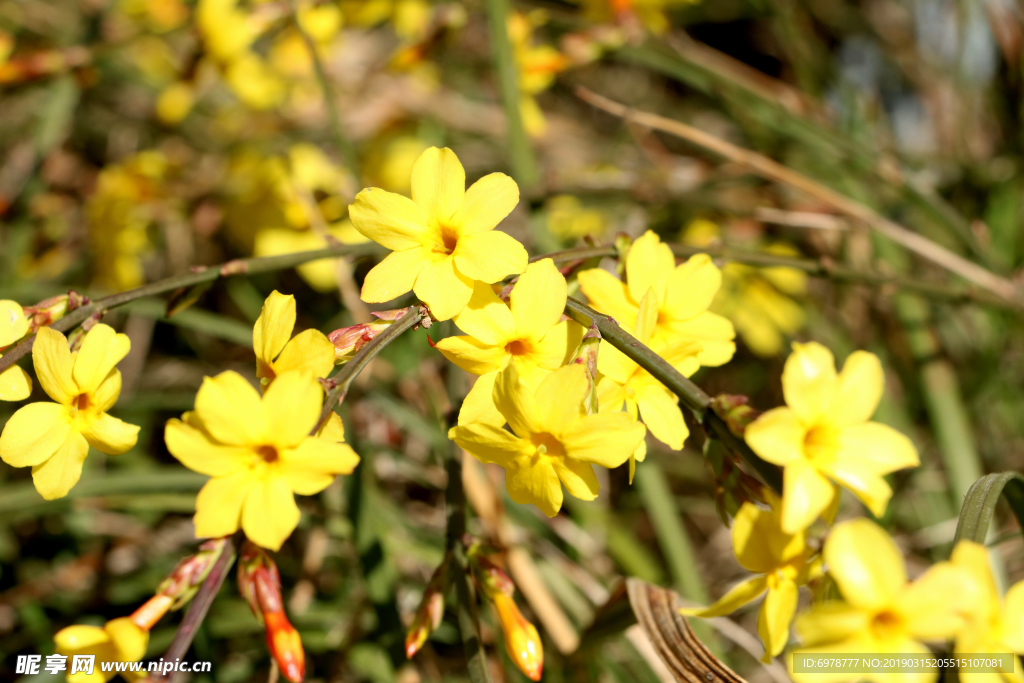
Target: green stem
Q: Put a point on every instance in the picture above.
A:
(692, 396)
(413, 316)
(520, 150)
(197, 275)
(814, 267)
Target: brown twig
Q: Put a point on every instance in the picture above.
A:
(771, 170)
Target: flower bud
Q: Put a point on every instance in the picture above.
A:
(182, 583)
(349, 340)
(521, 639)
(736, 412)
(152, 611)
(586, 355)
(260, 585)
(285, 646)
(430, 612)
(53, 309)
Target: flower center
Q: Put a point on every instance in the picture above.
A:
(886, 624)
(268, 453)
(449, 240)
(546, 444)
(820, 442)
(81, 402)
(518, 347)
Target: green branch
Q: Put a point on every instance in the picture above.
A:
(198, 275)
(692, 396)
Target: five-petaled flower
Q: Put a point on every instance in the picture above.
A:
(276, 352)
(525, 332)
(119, 640)
(683, 295)
(882, 612)
(784, 562)
(824, 434)
(259, 453)
(552, 440)
(54, 438)
(15, 384)
(443, 239)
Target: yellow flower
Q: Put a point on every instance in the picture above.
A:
(824, 434)
(322, 274)
(15, 384)
(552, 440)
(443, 239)
(537, 66)
(994, 626)
(310, 351)
(683, 294)
(258, 452)
(784, 562)
(120, 640)
(569, 219)
(527, 333)
(622, 380)
(882, 612)
(54, 438)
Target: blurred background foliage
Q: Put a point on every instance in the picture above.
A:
(142, 137)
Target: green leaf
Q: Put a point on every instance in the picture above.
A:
(980, 504)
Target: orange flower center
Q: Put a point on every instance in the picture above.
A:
(81, 402)
(519, 347)
(886, 624)
(820, 442)
(449, 240)
(268, 453)
(547, 444)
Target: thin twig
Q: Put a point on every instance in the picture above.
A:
(200, 606)
(413, 316)
(198, 275)
(771, 170)
(692, 396)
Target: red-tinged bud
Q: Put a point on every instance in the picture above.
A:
(152, 611)
(349, 340)
(51, 310)
(430, 612)
(521, 639)
(492, 580)
(285, 646)
(736, 412)
(182, 583)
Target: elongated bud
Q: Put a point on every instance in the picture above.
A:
(430, 612)
(51, 310)
(260, 585)
(493, 581)
(736, 412)
(152, 611)
(521, 638)
(182, 583)
(348, 340)
(586, 355)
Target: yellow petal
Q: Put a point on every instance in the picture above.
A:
(649, 263)
(691, 287)
(219, 504)
(486, 204)
(865, 563)
(51, 358)
(34, 433)
(79, 637)
(516, 402)
(832, 623)
(860, 387)
(577, 477)
(533, 481)
(292, 406)
(129, 639)
(487, 443)
(615, 364)
(394, 276)
(775, 616)
(560, 397)
(1012, 619)
(806, 494)
(274, 326)
(438, 185)
(607, 294)
(101, 350)
(684, 357)
(58, 474)
(487, 318)
(478, 405)
(865, 483)
(714, 333)
(312, 466)
(973, 558)
(538, 299)
(777, 436)
(878, 447)
(737, 596)
(934, 606)
(230, 410)
(14, 324)
(606, 439)
(647, 317)
(388, 219)
(194, 449)
(310, 352)
(15, 384)
(109, 435)
(107, 392)
(557, 346)
(610, 394)
(445, 290)
(760, 544)
(659, 409)
(809, 381)
(490, 256)
(270, 514)
(475, 357)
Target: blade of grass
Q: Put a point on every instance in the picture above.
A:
(215, 325)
